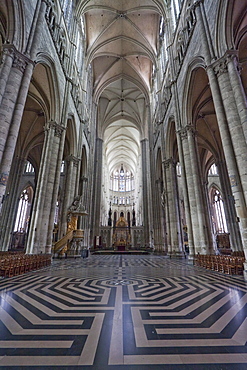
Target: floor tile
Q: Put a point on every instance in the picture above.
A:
(123, 312)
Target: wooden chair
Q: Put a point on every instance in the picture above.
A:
(239, 265)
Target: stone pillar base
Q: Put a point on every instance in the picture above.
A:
(48, 249)
(191, 258)
(176, 254)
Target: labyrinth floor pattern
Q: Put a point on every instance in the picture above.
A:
(123, 312)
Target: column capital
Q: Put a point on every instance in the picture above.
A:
(158, 181)
(72, 158)
(9, 50)
(220, 66)
(144, 140)
(168, 162)
(20, 61)
(189, 128)
(84, 179)
(183, 134)
(196, 4)
(59, 129)
(231, 56)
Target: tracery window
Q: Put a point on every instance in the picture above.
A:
(67, 10)
(213, 170)
(175, 9)
(219, 218)
(80, 44)
(56, 215)
(23, 211)
(178, 169)
(163, 50)
(28, 167)
(62, 170)
(122, 180)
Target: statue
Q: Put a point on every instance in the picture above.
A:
(76, 206)
(109, 216)
(133, 217)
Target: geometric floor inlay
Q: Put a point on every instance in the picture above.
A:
(123, 312)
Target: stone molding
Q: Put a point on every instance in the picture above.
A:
(220, 66)
(73, 159)
(9, 50)
(168, 162)
(190, 128)
(20, 61)
(56, 127)
(183, 132)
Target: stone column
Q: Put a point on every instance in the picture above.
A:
(82, 221)
(229, 206)
(7, 61)
(202, 213)
(145, 190)
(11, 111)
(165, 205)
(48, 191)
(167, 199)
(193, 191)
(232, 167)
(68, 193)
(16, 72)
(44, 190)
(176, 199)
(97, 185)
(74, 179)
(182, 135)
(10, 204)
(230, 155)
(164, 200)
(173, 211)
(234, 125)
(234, 71)
(158, 229)
(60, 134)
(208, 220)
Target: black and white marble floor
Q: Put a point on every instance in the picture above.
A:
(123, 312)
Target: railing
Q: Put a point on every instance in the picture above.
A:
(60, 244)
(66, 239)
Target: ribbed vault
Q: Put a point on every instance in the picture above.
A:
(121, 43)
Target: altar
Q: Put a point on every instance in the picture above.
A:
(121, 235)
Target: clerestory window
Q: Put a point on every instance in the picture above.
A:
(122, 180)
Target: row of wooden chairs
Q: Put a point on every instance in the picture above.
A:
(11, 253)
(13, 265)
(231, 265)
(237, 253)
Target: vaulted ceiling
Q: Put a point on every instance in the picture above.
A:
(121, 44)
